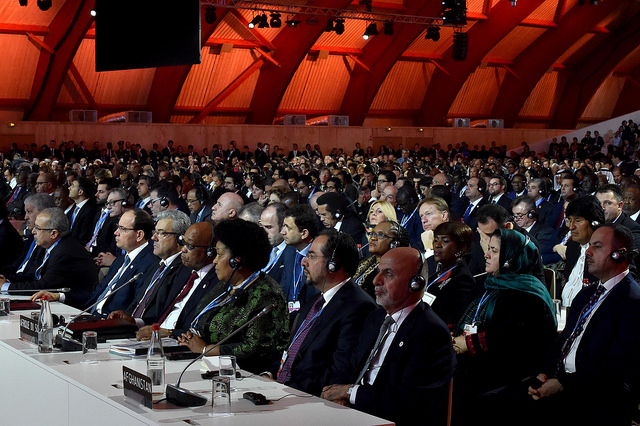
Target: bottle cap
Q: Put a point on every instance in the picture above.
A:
(45, 297)
(155, 327)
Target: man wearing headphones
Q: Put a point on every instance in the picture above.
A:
(589, 377)
(583, 216)
(164, 196)
(525, 215)
(538, 190)
(198, 206)
(334, 212)
(476, 188)
(326, 330)
(404, 360)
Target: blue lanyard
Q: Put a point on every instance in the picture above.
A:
(586, 314)
(441, 275)
(224, 298)
(270, 266)
(406, 218)
(484, 298)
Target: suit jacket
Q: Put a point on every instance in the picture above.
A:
(324, 355)
(505, 202)
(284, 268)
(607, 355)
(572, 255)
(175, 273)
(85, 221)
(545, 213)
(352, 226)
(68, 265)
(453, 294)
(472, 220)
(206, 214)
(206, 291)
(35, 260)
(10, 243)
(144, 261)
(412, 384)
(106, 240)
(545, 236)
(632, 226)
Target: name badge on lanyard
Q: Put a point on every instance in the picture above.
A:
(294, 306)
(470, 329)
(428, 298)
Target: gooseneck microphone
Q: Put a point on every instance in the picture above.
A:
(66, 342)
(35, 290)
(186, 398)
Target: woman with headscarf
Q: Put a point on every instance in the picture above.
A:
(504, 335)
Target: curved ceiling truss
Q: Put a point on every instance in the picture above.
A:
(255, 76)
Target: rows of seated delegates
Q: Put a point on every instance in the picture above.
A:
(421, 285)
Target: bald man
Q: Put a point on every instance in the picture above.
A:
(406, 376)
(228, 206)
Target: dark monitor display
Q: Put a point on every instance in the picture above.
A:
(146, 33)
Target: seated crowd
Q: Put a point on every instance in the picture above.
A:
(419, 285)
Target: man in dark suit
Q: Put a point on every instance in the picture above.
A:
(186, 299)
(497, 186)
(199, 208)
(326, 331)
(83, 215)
(272, 220)
(475, 193)
(589, 377)
(334, 212)
(152, 301)
(538, 190)
(404, 361)
(65, 264)
(132, 236)
(611, 198)
(518, 183)
(31, 256)
(525, 215)
(294, 152)
(631, 204)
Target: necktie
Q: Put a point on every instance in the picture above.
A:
(577, 331)
(15, 194)
(467, 212)
(111, 285)
(384, 329)
(182, 295)
(297, 277)
(285, 371)
(139, 310)
(38, 273)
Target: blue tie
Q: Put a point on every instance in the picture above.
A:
(38, 274)
(113, 281)
(28, 256)
(467, 212)
(74, 215)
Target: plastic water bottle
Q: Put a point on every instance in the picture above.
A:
(155, 361)
(45, 327)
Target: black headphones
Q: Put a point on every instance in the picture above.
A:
(418, 282)
(543, 188)
(163, 201)
(337, 214)
(124, 203)
(532, 214)
(332, 264)
(508, 263)
(211, 250)
(235, 262)
(618, 256)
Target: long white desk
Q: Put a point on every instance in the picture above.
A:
(58, 389)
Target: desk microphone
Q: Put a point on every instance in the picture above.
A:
(186, 398)
(35, 290)
(68, 343)
(480, 274)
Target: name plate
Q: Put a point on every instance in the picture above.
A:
(28, 329)
(137, 386)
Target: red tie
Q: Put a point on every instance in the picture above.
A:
(182, 295)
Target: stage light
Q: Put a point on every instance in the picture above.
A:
(366, 4)
(388, 28)
(44, 5)
(210, 15)
(433, 33)
(23, 2)
(292, 22)
(329, 26)
(263, 21)
(93, 13)
(275, 22)
(460, 45)
(338, 26)
(254, 22)
(371, 30)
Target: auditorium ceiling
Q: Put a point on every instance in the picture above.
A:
(535, 64)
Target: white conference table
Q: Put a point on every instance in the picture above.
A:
(57, 389)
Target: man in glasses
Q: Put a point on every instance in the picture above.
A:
(119, 201)
(65, 262)
(132, 235)
(154, 298)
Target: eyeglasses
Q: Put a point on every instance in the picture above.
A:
(113, 203)
(164, 234)
(313, 256)
(519, 215)
(38, 229)
(123, 229)
(192, 201)
(40, 183)
(183, 243)
(379, 235)
(154, 200)
(382, 180)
